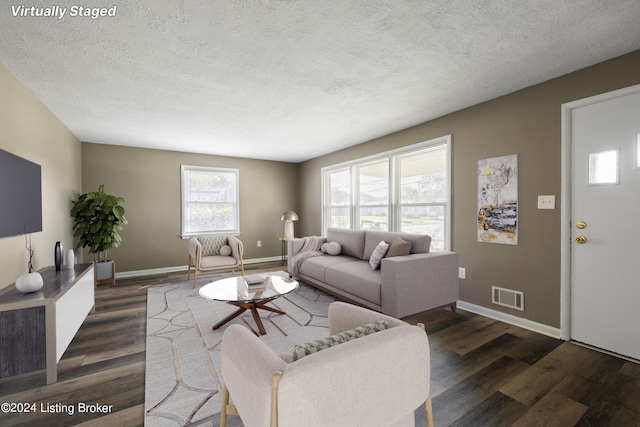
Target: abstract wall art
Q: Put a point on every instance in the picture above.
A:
(498, 200)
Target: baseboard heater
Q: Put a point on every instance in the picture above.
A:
(508, 298)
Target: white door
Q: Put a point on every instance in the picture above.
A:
(605, 197)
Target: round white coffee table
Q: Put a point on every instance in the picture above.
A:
(236, 291)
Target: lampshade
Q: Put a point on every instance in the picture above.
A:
(288, 217)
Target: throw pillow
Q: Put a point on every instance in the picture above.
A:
(334, 248)
(211, 244)
(306, 349)
(378, 254)
(323, 248)
(399, 247)
(225, 250)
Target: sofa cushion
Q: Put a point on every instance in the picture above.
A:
(299, 351)
(225, 250)
(399, 247)
(352, 241)
(377, 254)
(315, 267)
(357, 278)
(420, 243)
(211, 244)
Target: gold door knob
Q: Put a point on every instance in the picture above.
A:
(581, 240)
(581, 224)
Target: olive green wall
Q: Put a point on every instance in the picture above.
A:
(149, 181)
(29, 130)
(526, 123)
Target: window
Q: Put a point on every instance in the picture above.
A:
(209, 201)
(423, 205)
(603, 168)
(338, 198)
(403, 190)
(372, 203)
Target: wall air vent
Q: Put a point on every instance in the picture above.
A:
(508, 298)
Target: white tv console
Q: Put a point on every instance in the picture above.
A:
(36, 328)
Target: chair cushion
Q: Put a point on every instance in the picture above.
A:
(315, 346)
(211, 244)
(217, 261)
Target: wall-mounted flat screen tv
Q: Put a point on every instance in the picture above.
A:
(20, 195)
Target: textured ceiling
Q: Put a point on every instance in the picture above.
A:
(294, 79)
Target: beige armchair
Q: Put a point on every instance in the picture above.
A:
(207, 254)
(375, 380)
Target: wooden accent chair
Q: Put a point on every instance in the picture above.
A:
(206, 257)
(375, 380)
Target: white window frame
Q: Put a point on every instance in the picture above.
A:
(394, 196)
(184, 204)
(327, 209)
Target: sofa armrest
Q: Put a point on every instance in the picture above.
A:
(294, 246)
(247, 365)
(344, 316)
(415, 283)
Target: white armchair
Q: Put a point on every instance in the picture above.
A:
(203, 262)
(376, 380)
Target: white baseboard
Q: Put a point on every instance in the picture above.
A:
(511, 319)
(268, 259)
(179, 268)
(150, 271)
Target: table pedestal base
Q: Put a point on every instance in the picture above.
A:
(253, 306)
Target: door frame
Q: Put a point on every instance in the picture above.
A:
(565, 198)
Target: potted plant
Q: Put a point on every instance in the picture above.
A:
(97, 218)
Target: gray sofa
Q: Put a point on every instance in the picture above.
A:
(401, 286)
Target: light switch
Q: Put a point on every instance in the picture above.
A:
(547, 202)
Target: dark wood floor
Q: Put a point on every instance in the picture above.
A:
(484, 373)
(488, 373)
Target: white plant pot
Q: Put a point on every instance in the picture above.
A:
(104, 270)
(29, 282)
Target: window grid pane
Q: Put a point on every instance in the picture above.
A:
(425, 219)
(373, 180)
(374, 218)
(210, 217)
(603, 168)
(423, 176)
(340, 217)
(338, 198)
(339, 188)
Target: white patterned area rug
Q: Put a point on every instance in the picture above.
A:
(183, 384)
